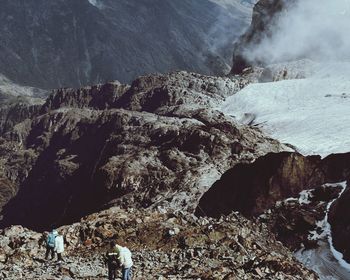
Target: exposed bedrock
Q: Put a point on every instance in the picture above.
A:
(253, 188)
(299, 222)
(156, 143)
(340, 223)
(339, 212)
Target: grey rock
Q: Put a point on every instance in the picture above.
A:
(158, 143)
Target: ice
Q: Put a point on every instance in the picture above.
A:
(304, 197)
(312, 114)
(324, 259)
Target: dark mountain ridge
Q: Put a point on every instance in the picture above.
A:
(59, 43)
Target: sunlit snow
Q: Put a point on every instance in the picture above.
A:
(312, 114)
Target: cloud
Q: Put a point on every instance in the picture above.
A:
(315, 29)
(97, 3)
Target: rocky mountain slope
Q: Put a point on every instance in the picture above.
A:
(156, 146)
(18, 103)
(132, 163)
(9, 88)
(165, 246)
(51, 44)
(156, 143)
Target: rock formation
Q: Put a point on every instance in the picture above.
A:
(339, 167)
(340, 222)
(253, 188)
(156, 143)
(132, 163)
(299, 222)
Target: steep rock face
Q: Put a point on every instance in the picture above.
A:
(265, 14)
(16, 113)
(155, 144)
(18, 103)
(298, 222)
(253, 188)
(339, 220)
(338, 217)
(52, 44)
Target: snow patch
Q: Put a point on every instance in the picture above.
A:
(311, 114)
(304, 197)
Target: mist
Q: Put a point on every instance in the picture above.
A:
(314, 29)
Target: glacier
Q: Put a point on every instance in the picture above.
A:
(312, 113)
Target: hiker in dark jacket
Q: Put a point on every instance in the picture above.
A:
(119, 257)
(50, 244)
(112, 261)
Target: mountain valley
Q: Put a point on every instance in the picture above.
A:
(239, 176)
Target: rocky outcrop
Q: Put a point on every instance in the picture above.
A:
(59, 43)
(265, 14)
(300, 222)
(340, 222)
(18, 103)
(158, 143)
(165, 246)
(338, 218)
(253, 188)
(98, 97)
(18, 112)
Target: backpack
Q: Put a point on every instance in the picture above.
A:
(51, 240)
(113, 259)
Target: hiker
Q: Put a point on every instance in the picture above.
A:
(112, 260)
(119, 257)
(50, 244)
(125, 261)
(59, 247)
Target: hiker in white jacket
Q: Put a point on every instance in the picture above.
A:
(125, 261)
(59, 247)
(118, 257)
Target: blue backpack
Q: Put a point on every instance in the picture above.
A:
(51, 240)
